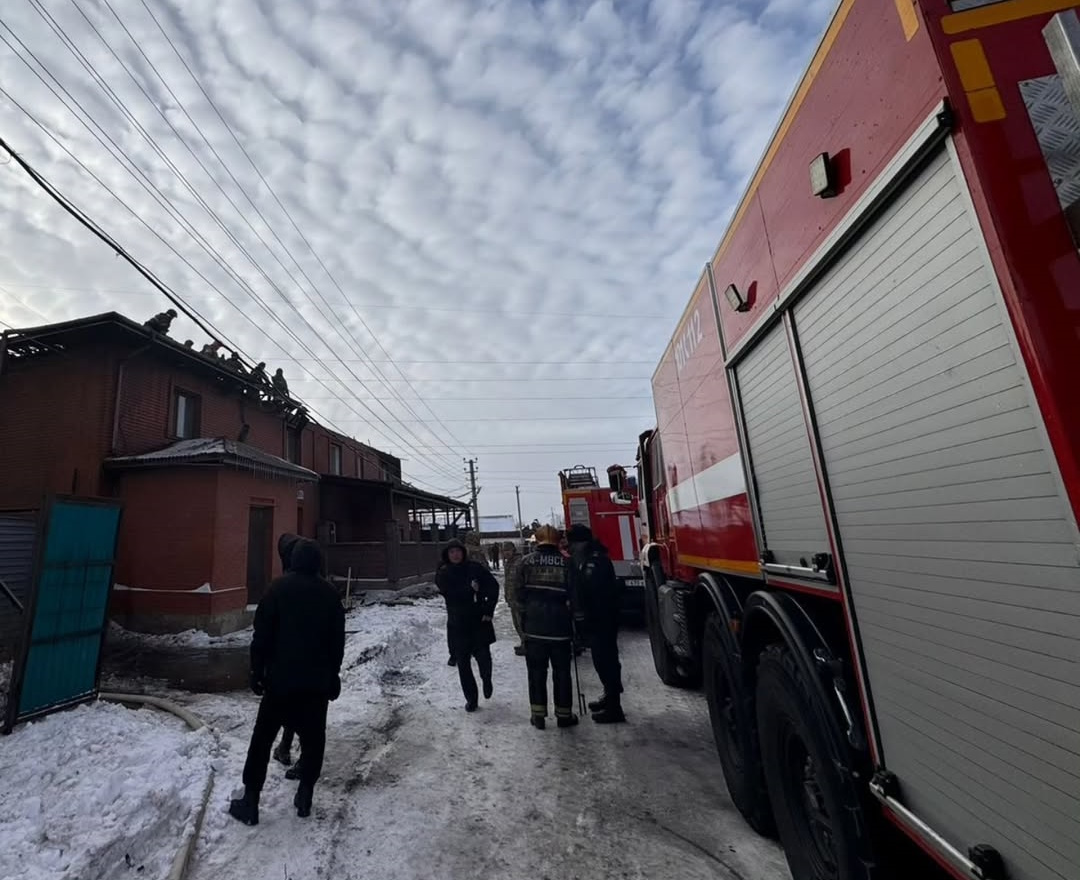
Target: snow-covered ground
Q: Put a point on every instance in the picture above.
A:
(99, 791)
(413, 787)
(191, 638)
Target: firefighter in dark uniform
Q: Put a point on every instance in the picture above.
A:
(161, 322)
(545, 601)
(599, 598)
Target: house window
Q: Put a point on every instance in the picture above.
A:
(292, 445)
(335, 459)
(186, 415)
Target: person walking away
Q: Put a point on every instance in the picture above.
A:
(493, 552)
(599, 597)
(511, 587)
(545, 600)
(283, 753)
(296, 653)
(471, 593)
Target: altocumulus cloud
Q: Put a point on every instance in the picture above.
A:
(462, 227)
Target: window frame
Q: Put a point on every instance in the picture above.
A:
(195, 402)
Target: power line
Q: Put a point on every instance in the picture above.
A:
(371, 304)
(335, 324)
(211, 251)
(170, 208)
(281, 205)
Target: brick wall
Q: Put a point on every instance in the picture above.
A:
(55, 424)
(146, 409)
(167, 528)
(238, 492)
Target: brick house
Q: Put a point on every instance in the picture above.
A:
(209, 466)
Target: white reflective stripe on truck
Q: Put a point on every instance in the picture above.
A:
(720, 481)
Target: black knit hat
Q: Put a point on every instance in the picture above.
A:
(579, 534)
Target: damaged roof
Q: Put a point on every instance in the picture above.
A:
(213, 451)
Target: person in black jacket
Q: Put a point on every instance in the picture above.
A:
(296, 653)
(599, 596)
(545, 600)
(471, 593)
(283, 753)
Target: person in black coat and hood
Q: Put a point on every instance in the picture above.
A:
(471, 594)
(283, 753)
(296, 653)
(599, 597)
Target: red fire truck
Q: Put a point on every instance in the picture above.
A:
(612, 513)
(862, 491)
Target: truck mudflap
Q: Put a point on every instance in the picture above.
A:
(674, 619)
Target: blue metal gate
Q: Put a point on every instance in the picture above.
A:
(59, 660)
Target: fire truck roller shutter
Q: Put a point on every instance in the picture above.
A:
(789, 503)
(959, 545)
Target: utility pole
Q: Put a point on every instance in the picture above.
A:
(521, 522)
(472, 484)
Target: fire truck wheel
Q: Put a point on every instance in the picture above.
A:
(734, 727)
(817, 813)
(663, 657)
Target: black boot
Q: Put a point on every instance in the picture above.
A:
(599, 705)
(470, 707)
(283, 756)
(293, 773)
(537, 721)
(304, 793)
(571, 721)
(489, 689)
(452, 661)
(246, 808)
(612, 713)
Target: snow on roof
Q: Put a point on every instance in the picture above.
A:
(501, 523)
(217, 450)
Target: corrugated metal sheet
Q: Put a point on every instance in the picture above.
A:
(793, 520)
(961, 554)
(17, 542)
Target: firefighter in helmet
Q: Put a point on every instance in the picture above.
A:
(546, 603)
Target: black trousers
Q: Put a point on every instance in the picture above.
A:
(604, 645)
(482, 653)
(304, 713)
(538, 655)
(450, 641)
(287, 738)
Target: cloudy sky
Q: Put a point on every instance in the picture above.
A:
(463, 227)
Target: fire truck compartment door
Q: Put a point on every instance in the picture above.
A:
(789, 503)
(959, 546)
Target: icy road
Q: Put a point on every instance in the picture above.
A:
(413, 787)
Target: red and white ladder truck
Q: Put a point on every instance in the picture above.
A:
(862, 491)
(613, 515)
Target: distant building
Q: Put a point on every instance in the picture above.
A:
(502, 526)
(210, 468)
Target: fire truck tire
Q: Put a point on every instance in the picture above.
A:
(734, 727)
(664, 658)
(818, 814)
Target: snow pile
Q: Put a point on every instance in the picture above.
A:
(99, 791)
(191, 638)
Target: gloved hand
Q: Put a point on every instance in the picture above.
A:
(258, 687)
(335, 688)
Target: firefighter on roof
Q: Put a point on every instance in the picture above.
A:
(545, 600)
(161, 322)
